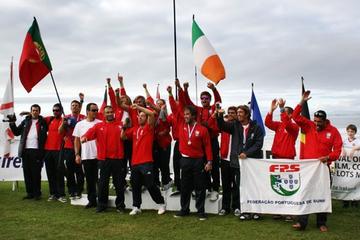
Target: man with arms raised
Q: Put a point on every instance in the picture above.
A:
(323, 142)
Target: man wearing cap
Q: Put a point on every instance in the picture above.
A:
(323, 141)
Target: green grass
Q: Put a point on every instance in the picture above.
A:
(30, 219)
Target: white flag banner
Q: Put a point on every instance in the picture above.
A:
(284, 186)
(346, 178)
(11, 165)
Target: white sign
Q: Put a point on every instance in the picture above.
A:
(284, 186)
(11, 166)
(346, 178)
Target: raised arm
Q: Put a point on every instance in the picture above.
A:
(149, 100)
(269, 123)
(121, 82)
(111, 95)
(186, 96)
(81, 98)
(217, 97)
(172, 102)
(149, 113)
(302, 121)
(223, 126)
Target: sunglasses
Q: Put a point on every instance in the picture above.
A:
(204, 98)
(56, 110)
(320, 114)
(94, 110)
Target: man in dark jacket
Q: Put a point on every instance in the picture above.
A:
(31, 149)
(247, 140)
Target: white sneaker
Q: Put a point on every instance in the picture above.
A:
(51, 198)
(135, 211)
(162, 209)
(62, 199)
(214, 195)
(237, 212)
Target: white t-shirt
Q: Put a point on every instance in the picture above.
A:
(32, 137)
(349, 145)
(88, 149)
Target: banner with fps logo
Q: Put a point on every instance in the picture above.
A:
(284, 186)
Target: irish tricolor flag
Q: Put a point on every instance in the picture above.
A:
(205, 57)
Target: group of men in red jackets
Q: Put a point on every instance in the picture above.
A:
(141, 133)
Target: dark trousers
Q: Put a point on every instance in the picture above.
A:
(117, 169)
(214, 175)
(74, 173)
(230, 178)
(32, 164)
(91, 175)
(55, 171)
(161, 162)
(143, 175)
(193, 177)
(127, 159)
(176, 165)
(321, 219)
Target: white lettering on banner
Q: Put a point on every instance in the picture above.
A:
(11, 166)
(346, 177)
(284, 186)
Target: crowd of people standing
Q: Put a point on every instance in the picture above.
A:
(138, 134)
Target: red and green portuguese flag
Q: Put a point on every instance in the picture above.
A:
(34, 62)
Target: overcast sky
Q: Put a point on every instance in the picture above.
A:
(271, 43)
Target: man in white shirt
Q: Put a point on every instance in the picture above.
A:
(88, 153)
(33, 131)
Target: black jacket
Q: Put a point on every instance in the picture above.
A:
(254, 140)
(23, 130)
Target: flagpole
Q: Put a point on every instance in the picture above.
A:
(196, 86)
(196, 83)
(12, 80)
(57, 94)
(175, 49)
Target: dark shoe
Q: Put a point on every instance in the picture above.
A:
(181, 214)
(244, 216)
(297, 226)
(37, 198)
(28, 197)
(100, 209)
(73, 196)
(323, 228)
(120, 210)
(202, 216)
(90, 205)
(223, 212)
(79, 196)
